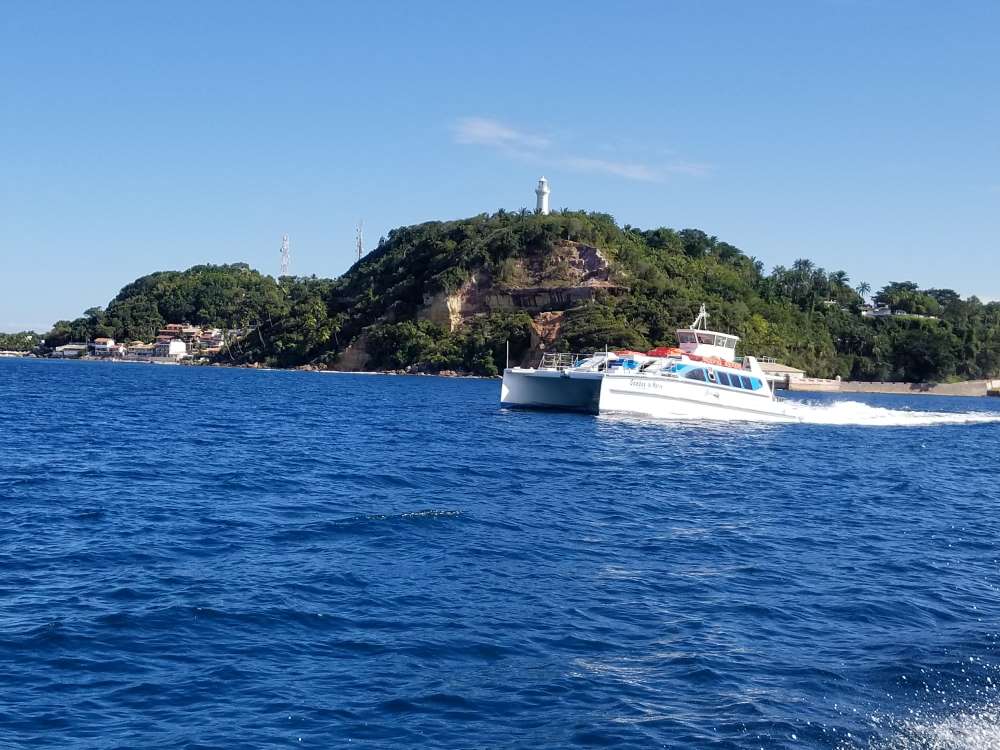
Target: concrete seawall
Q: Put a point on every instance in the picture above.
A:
(966, 388)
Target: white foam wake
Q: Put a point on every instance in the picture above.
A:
(973, 731)
(857, 413)
(962, 731)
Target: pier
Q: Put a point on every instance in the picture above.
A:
(965, 388)
(783, 377)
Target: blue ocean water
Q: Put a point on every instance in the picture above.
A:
(219, 558)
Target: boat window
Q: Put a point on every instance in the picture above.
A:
(755, 383)
(706, 338)
(698, 374)
(745, 382)
(685, 337)
(723, 378)
(711, 375)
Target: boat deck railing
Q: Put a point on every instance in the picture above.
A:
(560, 360)
(570, 360)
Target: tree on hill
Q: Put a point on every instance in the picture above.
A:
(907, 297)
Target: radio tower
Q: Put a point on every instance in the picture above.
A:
(286, 255)
(361, 239)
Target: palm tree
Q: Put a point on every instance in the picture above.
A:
(802, 271)
(863, 289)
(803, 266)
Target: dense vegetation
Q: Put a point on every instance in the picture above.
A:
(232, 296)
(802, 315)
(24, 341)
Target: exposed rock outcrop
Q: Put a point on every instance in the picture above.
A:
(355, 357)
(544, 285)
(545, 329)
(571, 273)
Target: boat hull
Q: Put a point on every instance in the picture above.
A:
(663, 398)
(551, 389)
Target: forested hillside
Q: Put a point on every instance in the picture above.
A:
(231, 296)
(448, 295)
(24, 341)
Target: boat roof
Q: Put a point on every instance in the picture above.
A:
(700, 325)
(710, 333)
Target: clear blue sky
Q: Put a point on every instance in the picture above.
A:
(137, 137)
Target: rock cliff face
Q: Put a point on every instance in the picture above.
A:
(570, 274)
(355, 357)
(545, 329)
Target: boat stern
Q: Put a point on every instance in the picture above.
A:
(527, 388)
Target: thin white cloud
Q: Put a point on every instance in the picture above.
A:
(617, 168)
(484, 131)
(689, 168)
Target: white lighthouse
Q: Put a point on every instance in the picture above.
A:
(542, 191)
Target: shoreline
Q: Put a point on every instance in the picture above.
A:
(256, 366)
(963, 389)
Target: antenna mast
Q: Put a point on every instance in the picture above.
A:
(286, 255)
(361, 239)
(702, 320)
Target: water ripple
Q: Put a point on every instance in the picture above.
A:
(197, 557)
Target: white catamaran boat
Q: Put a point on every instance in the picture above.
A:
(698, 380)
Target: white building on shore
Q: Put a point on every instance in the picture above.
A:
(104, 347)
(172, 349)
(70, 351)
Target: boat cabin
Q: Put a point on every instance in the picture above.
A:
(701, 342)
(723, 377)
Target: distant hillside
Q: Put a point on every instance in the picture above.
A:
(229, 296)
(449, 295)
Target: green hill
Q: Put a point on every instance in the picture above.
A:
(449, 295)
(231, 296)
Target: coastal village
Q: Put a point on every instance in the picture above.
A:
(175, 342)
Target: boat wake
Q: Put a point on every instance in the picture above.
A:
(978, 730)
(865, 415)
